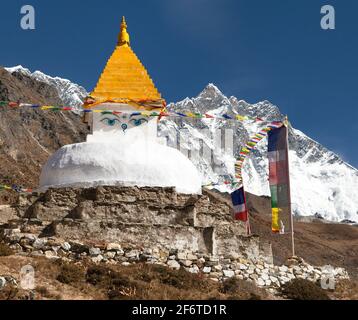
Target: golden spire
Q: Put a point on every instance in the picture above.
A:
(124, 77)
(123, 39)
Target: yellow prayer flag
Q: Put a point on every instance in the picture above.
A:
(240, 118)
(146, 113)
(276, 219)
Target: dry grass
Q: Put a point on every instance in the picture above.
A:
(145, 281)
(56, 280)
(242, 290)
(46, 273)
(43, 293)
(5, 250)
(345, 290)
(8, 293)
(301, 289)
(67, 281)
(70, 273)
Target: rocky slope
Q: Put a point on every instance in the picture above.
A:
(28, 137)
(70, 94)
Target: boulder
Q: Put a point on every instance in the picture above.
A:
(133, 254)
(97, 259)
(110, 254)
(228, 273)
(265, 277)
(50, 254)
(206, 269)
(201, 260)
(194, 269)
(2, 282)
(283, 269)
(218, 267)
(191, 256)
(66, 246)
(181, 255)
(260, 282)
(186, 263)
(94, 252)
(113, 247)
(173, 264)
(242, 266)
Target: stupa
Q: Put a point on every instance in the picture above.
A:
(123, 147)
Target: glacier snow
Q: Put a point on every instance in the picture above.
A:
(321, 182)
(70, 93)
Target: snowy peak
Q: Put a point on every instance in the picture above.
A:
(321, 182)
(70, 93)
(211, 92)
(19, 69)
(209, 99)
(212, 100)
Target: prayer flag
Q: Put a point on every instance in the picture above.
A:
(279, 179)
(239, 203)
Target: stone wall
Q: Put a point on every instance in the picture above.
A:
(127, 225)
(215, 268)
(142, 218)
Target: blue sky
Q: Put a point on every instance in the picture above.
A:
(252, 49)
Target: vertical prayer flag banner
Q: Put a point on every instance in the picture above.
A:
(239, 202)
(279, 179)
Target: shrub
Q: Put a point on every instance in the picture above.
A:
(122, 293)
(45, 293)
(301, 289)
(238, 289)
(106, 277)
(5, 250)
(180, 279)
(70, 273)
(9, 292)
(99, 276)
(118, 286)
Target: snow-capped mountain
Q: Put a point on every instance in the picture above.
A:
(70, 93)
(321, 182)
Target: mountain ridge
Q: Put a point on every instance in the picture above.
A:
(28, 136)
(313, 166)
(70, 93)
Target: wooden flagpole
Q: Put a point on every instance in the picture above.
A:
(248, 226)
(286, 123)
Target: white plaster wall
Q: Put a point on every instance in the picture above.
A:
(122, 125)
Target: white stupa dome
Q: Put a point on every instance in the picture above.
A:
(124, 163)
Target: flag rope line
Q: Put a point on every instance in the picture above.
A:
(147, 113)
(244, 152)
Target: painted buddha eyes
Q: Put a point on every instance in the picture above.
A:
(138, 122)
(110, 122)
(114, 121)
